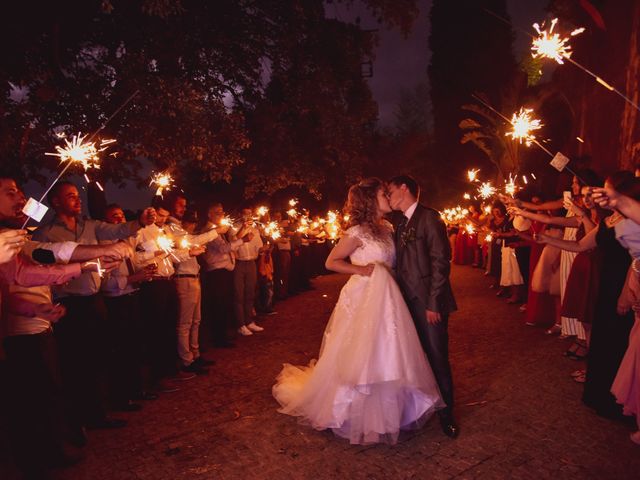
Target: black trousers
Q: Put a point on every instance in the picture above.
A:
(124, 338)
(159, 305)
(34, 399)
(217, 303)
(435, 342)
(81, 347)
(281, 272)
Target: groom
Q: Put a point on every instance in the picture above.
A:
(422, 270)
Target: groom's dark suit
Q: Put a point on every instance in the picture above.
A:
(422, 269)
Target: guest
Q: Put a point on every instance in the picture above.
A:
(245, 275)
(610, 331)
(219, 261)
(79, 332)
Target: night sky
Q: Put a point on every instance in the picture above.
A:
(400, 63)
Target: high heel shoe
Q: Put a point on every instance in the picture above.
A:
(553, 330)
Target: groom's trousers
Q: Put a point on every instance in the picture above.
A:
(435, 342)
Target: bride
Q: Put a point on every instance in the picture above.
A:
(372, 377)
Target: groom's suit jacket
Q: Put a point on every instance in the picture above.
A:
(423, 260)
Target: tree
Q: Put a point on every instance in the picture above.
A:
(201, 69)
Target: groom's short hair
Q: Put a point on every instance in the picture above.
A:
(409, 181)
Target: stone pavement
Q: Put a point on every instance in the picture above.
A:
(519, 411)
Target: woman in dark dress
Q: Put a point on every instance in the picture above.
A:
(610, 331)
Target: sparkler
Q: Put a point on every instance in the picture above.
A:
(466, 196)
(226, 222)
(510, 186)
(272, 230)
(523, 125)
(262, 211)
(487, 209)
(163, 181)
(184, 243)
(550, 45)
(488, 238)
(470, 229)
(99, 270)
(472, 174)
(486, 190)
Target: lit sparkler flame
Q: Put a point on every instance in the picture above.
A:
(487, 209)
(262, 211)
(226, 222)
(163, 180)
(272, 230)
(466, 196)
(488, 238)
(470, 228)
(549, 44)
(523, 125)
(293, 202)
(165, 243)
(78, 151)
(99, 270)
(486, 190)
(184, 243)
(346, 218)
(472, 174)
(510, 186)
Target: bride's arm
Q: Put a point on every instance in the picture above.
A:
(336, 260)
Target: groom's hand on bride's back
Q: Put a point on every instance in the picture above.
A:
(367, 270)
(433, 317)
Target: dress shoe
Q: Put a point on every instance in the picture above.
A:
(254, 328)
(204, 362)
(449, 426)
(193, 367)
(106, 423)
(127, 407)
(244, 331)
(77, 436)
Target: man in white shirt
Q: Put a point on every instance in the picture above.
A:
(245, 275)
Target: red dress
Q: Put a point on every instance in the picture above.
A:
(540, 306)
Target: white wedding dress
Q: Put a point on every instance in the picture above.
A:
(372, 378)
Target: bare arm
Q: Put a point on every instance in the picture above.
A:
(586, 243)
(544, 218)
(609, 198)
(336, 260)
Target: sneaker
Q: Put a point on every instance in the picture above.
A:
(182, 376)
(194, 368)
(243, 330)
(254, 328)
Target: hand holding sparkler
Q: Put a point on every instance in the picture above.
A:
(148, 217)
(11, 242)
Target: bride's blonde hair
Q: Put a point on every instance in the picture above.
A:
(362, 205)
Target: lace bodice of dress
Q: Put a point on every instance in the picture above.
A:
(373, 250)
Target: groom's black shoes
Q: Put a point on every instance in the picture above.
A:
(449, 426)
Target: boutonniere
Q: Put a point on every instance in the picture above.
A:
(409, 235)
